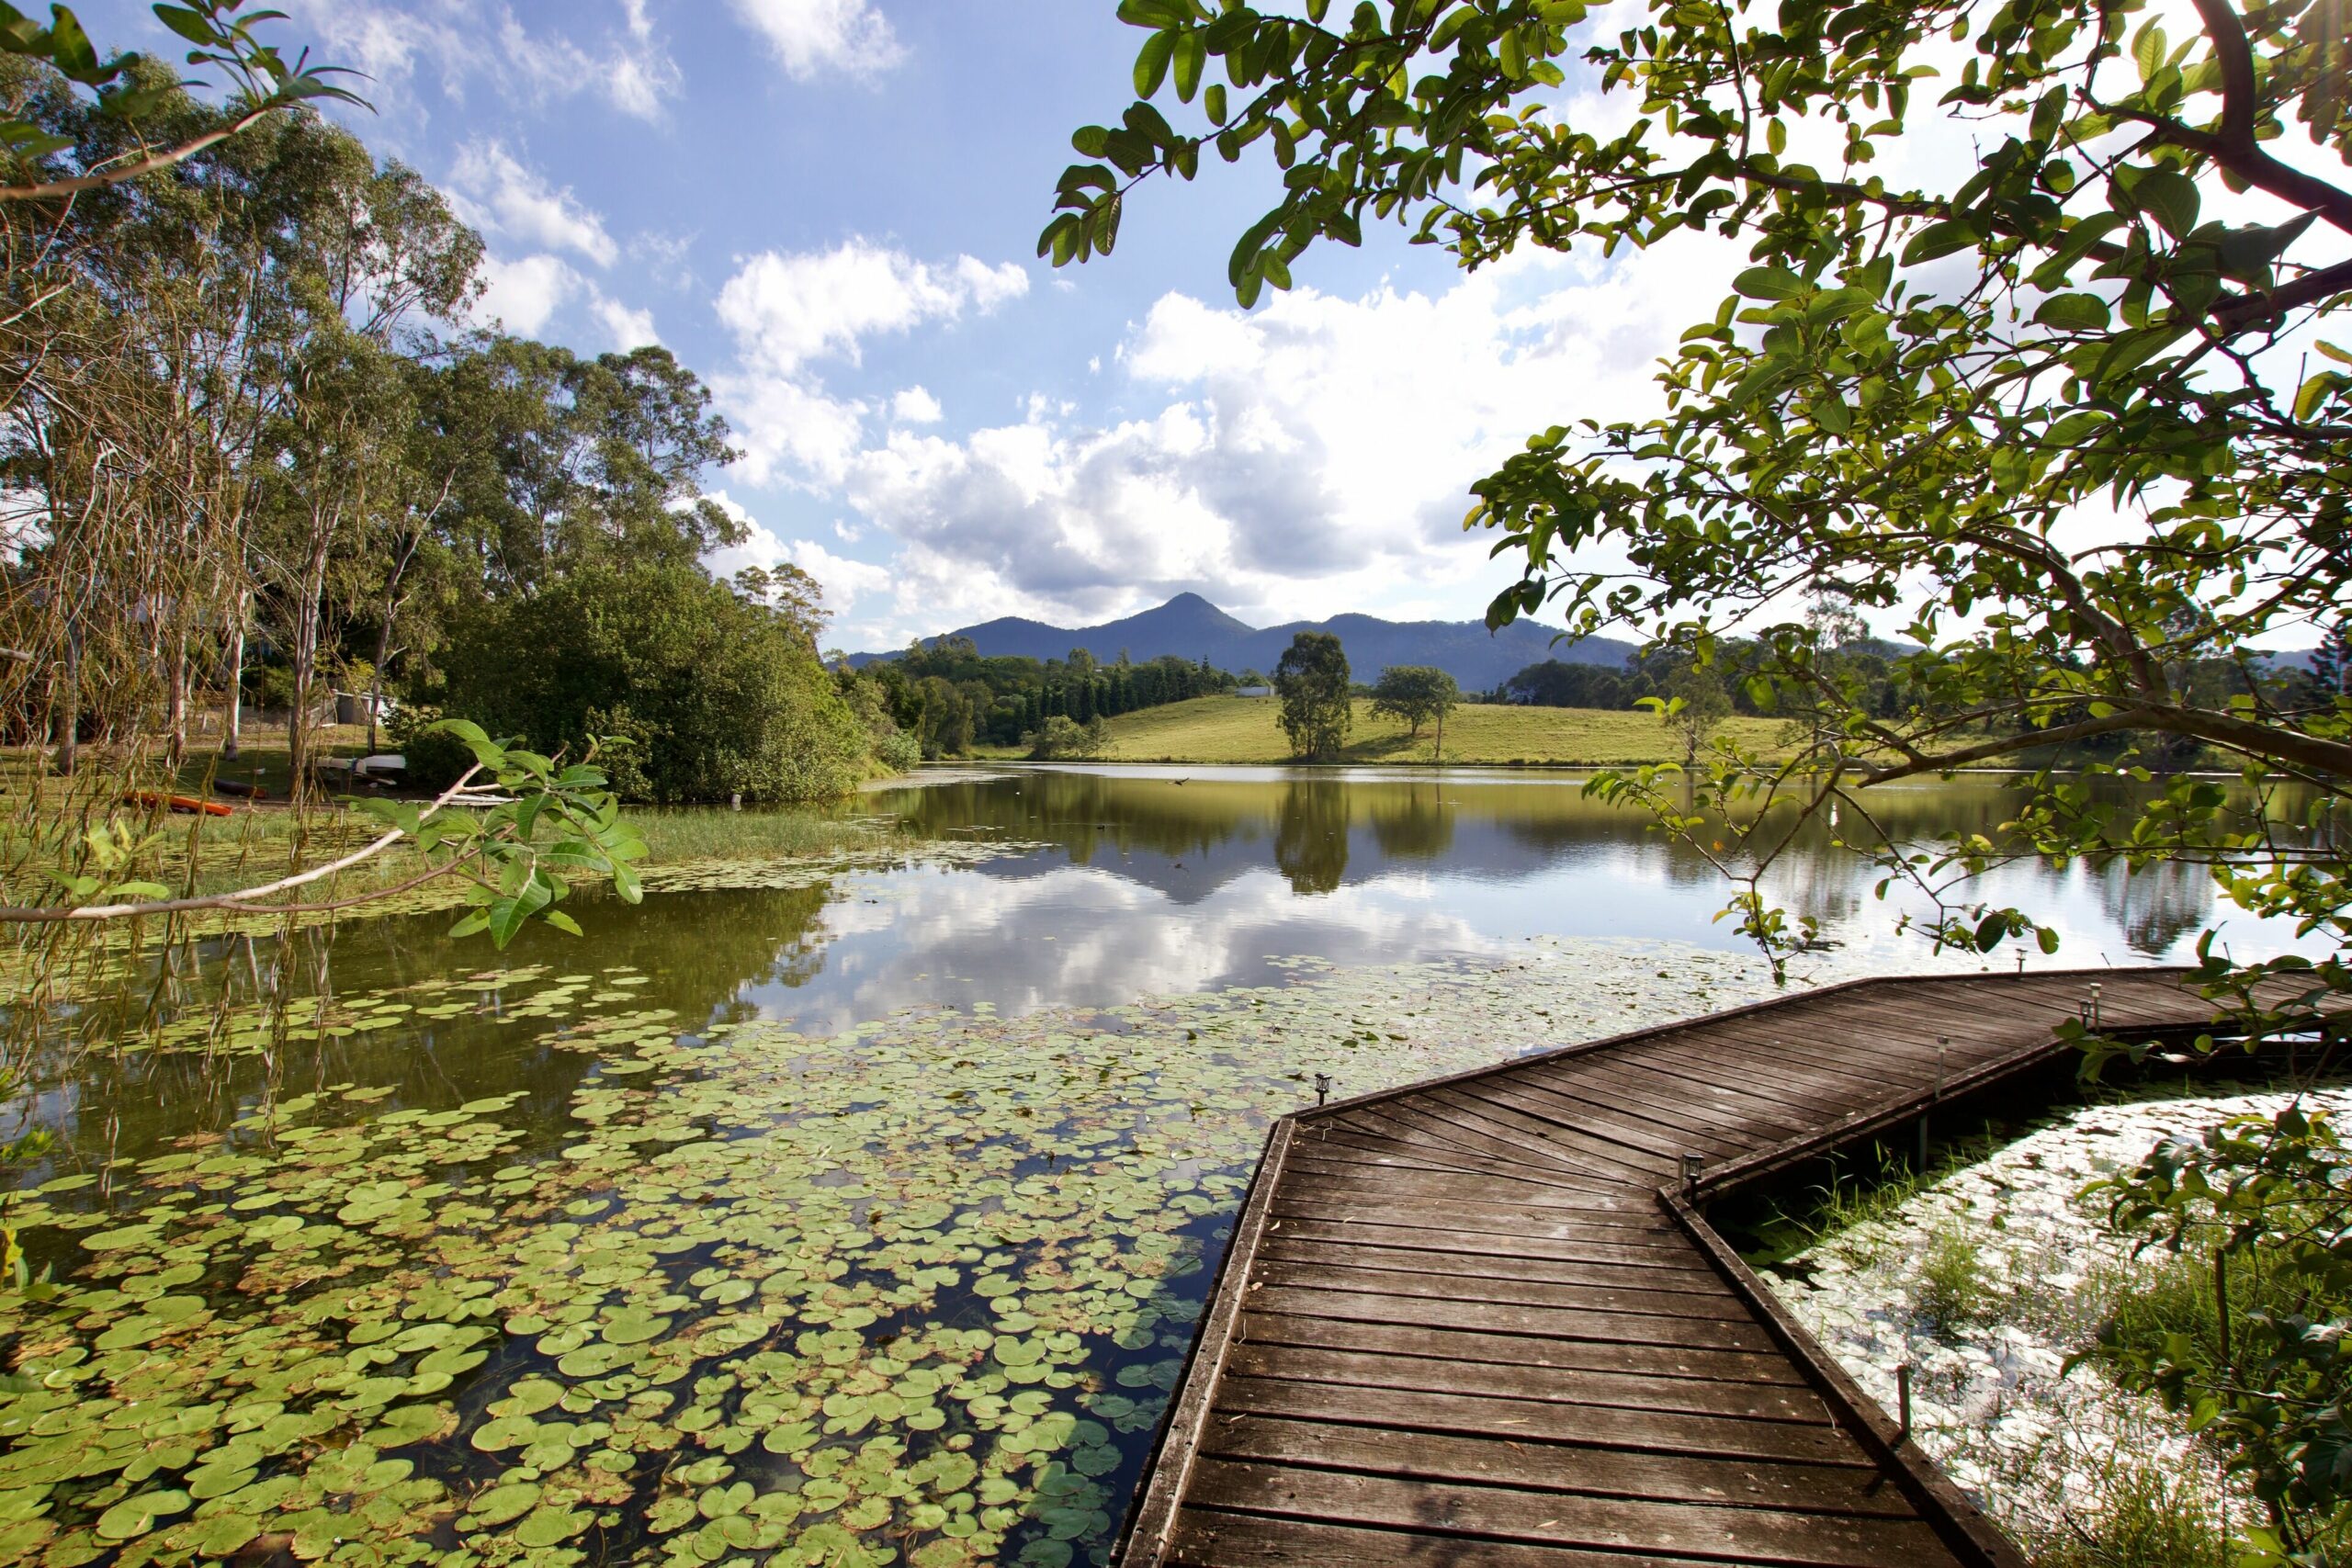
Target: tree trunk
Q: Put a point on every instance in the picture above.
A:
(232, 730)
(69, 704)
(309, 611)
(175, 692)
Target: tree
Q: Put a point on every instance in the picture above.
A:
(1416, 693)
(715, 695)
(2048, 416)
(1555, 683)
(1312, 680)
(261, 82)
(1060, 737)
(1694, 707)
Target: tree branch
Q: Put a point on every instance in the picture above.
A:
(240, 899)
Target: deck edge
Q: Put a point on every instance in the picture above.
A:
(1152, 1517)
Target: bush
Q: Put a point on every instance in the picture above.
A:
(1060, 737)
(717, 695)
(898, 751)
(434, 762)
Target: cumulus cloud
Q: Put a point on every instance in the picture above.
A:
(787, 309)
(810, 38)
(916, 406)
(1319, 449)
(628, 328)
(524, 295)
(496, 193)
(398, 43)
(845, 580)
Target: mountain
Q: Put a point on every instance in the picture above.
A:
(1191, 627)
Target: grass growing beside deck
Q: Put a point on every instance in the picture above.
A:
(1246, 730)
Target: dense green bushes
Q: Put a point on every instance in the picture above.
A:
(714, 695)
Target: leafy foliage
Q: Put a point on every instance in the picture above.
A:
(261, 80)
(1414, 692)
(1312, 681)
(715, 695)
(558, 822)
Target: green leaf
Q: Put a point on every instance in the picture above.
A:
(2166, 194)
(190, 25)
(563, 923)
(71, 50)
(1192, 54)
(1152, 62)
(1769, 283)
(1940, 239)
(2075, 313)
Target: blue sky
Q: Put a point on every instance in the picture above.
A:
(829, 209)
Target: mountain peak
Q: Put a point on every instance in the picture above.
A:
(1190, 627)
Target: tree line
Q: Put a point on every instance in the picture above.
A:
(251, 448)
(946, 695)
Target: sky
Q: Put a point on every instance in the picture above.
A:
(828, 211)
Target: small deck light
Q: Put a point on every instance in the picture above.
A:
(1693, 1167)
(1902, 1403)
(1322, 1087)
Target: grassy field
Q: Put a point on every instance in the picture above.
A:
(1244, 729)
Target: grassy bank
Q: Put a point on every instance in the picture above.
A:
(1246, 730)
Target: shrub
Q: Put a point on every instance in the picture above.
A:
(719, 696)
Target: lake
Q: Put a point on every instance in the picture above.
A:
(841, 1212)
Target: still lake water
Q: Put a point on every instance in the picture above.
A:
(853, 1214)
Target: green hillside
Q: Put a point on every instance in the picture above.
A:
(1244, 729)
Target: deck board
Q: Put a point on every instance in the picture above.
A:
(1473, 1321)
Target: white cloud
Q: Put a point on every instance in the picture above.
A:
(916, 406)
(789, 431)
(786, 309)
(809, 36)
(522, 295)
(628, 328)
(1311, 457)
(496, 193)
(845, 580)
(395, 42)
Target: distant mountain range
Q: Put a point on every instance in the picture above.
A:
(1191, 627)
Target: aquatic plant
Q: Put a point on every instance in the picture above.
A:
(913, 1292)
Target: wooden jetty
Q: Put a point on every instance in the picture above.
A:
(1482, 1322)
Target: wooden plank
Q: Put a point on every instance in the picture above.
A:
(1461, 1262)
(1592, 1082)
(1476, 1193)
(1590, 1144)
(1406, 1413)
(1621, 1231)
(1503, 1317)
(1207, 1538)
(1264, 1326)
(1693, 1529)
(1422, 1119)
(1715, 1303)
(1514, 1379)
(1749, 1483)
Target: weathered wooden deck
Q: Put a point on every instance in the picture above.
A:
(1476, 1322)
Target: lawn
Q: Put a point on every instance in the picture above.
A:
(1245, 730)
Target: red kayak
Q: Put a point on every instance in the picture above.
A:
(187, 803)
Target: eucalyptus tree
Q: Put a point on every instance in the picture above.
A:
(2055, 396)
(1311, 679)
